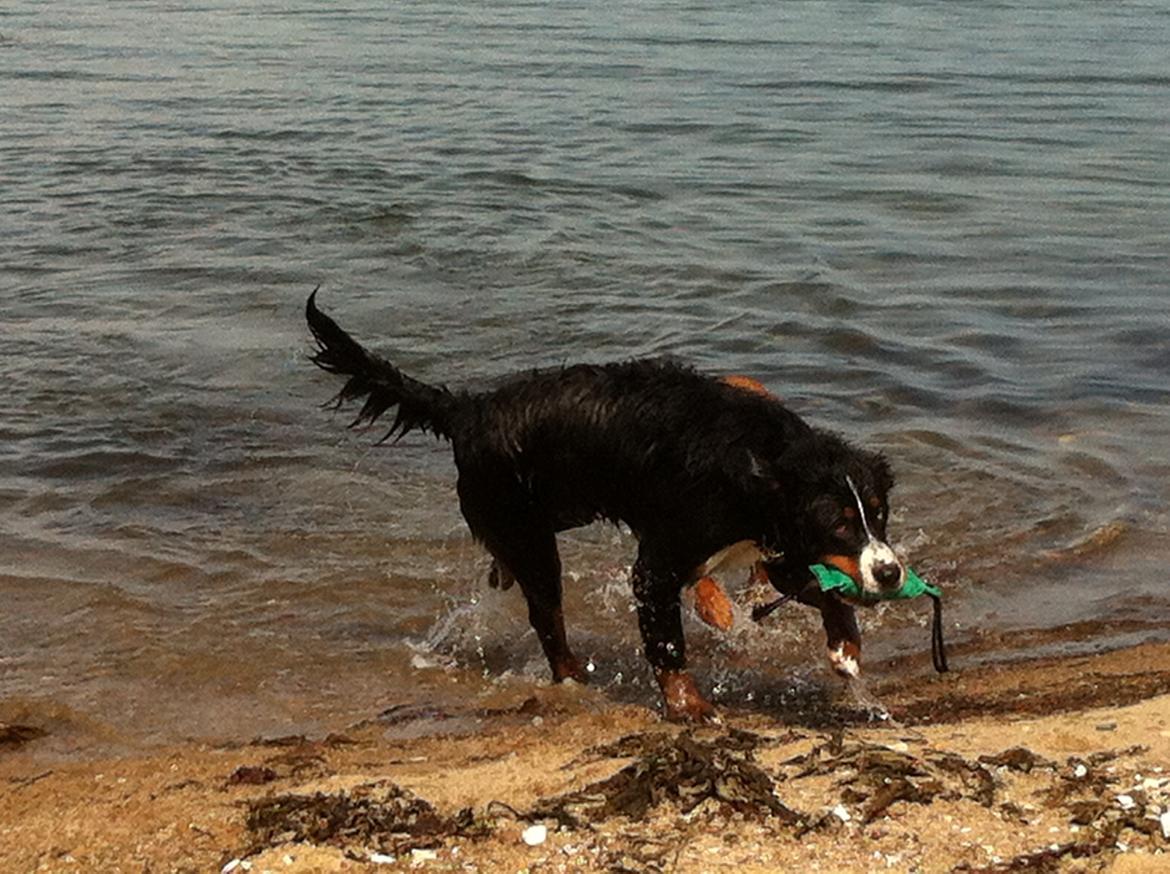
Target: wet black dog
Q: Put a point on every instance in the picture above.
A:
(694, 465)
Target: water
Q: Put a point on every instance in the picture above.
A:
(941, 229)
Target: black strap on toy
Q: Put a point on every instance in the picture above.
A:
(762, 611)
(938, 650)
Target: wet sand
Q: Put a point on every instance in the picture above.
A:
(1048, 765)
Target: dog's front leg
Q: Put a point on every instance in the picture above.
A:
(842, 635)
(660, 621)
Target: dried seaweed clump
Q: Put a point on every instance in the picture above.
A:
(380, 816)
(682, 771)
(871, 777)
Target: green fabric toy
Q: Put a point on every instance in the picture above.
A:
(833, 580)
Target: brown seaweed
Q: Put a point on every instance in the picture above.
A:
(682, 771)
(381, 816)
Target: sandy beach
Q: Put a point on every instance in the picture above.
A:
(1048, 765)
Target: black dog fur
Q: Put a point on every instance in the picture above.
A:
(688, 462)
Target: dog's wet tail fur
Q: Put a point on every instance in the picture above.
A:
(421, 407)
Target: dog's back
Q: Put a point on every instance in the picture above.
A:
(633, 441)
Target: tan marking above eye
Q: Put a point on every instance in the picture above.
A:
(849, 513)
(875, 503)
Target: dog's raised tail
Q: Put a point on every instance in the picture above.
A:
(421, 407)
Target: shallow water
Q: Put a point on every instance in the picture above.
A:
(942, 230)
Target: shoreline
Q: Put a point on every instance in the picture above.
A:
(1049, 764)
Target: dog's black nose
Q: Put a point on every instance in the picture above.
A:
(888, 574)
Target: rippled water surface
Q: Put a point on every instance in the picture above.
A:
(942, 229)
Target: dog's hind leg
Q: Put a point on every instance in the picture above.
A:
(660, 621)
(536, 566)
(524, 549)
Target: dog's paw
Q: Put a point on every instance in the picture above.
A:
(568, 668)
(681, 699)
(846, 660)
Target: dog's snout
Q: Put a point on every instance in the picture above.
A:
(888, 574)
(880, 568)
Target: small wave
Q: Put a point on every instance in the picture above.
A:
(514, 179)
(900, 85)
(57, 727)
(98, 463)
(281, 135)
(912, 201)
(1100, 541)
(60, 75)
(1143, 80)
